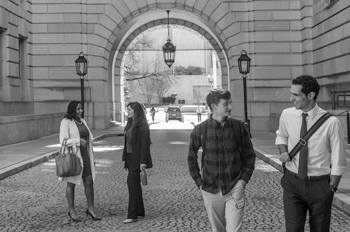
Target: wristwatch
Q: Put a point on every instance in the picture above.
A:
(333, 188)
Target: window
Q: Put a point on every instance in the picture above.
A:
(21, 56)
(2, 54)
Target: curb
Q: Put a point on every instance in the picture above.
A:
(340, 200)
(21, 166)
(103, 136)
(24, 165)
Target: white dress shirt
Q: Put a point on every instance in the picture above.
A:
(326, 146)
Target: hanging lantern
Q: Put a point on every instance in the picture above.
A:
(169, 48)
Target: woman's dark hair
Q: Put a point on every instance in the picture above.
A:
(309, 84)
(139, 115)
(215, 95)
(72, 110)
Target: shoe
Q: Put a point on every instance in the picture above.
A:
(140, 217)
(129, 220)
(74, 219)
(95, 218)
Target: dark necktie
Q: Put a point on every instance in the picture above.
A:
(302, 171)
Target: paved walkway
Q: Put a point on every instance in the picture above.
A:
(33, 200)
(18, 157)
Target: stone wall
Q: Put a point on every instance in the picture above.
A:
(284, 39)
(16, 92)
(15, 129)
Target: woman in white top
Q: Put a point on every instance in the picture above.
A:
(78, 135)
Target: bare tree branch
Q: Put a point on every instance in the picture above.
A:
(131, 77)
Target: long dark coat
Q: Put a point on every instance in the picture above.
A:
(141, 143)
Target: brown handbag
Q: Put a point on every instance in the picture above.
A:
(67, 162)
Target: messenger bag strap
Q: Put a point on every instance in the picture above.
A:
(303, 141)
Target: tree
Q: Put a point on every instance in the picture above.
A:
(148, 88)
(199, 93)
(163, 85)
(147, 85)
(134, 58)
(190, 70)
(179, 70)
(148, 70)
(163, 81)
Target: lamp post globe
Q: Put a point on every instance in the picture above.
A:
(81, 65)
(244, 68)
(244, 63)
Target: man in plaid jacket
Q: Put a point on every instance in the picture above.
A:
(228, 160)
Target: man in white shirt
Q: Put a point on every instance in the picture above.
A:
(325, 160)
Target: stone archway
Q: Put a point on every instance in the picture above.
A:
(281, 41)
(103, 30)
(121, 44)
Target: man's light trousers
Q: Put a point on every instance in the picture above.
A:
(226, 212)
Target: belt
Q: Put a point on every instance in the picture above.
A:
(308, 178)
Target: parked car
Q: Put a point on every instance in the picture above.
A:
(174, 113)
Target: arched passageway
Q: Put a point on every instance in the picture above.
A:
(284, 39)
(145, 22)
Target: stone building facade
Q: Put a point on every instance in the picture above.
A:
(41, 39)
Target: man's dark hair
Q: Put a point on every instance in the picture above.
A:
(72, 110)
(309, 84)
(215, 95)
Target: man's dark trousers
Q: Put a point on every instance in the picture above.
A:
(299, 196)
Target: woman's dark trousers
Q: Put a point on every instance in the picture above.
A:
(136, 207)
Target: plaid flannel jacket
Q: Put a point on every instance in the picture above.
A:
(223, 164)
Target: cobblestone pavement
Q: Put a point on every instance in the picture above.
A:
(34, 200)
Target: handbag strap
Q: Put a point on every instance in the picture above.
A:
(63, 145)
(303, 141)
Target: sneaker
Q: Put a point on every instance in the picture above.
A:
(129, 220)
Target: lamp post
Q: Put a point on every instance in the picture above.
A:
(81, 65)
(169, 48)
(210, 80)
(244, 68)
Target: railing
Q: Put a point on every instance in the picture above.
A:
(337, 102)
(347, 122)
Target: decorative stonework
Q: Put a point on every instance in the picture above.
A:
(284, 39)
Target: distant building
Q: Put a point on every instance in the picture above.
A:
(192, 50)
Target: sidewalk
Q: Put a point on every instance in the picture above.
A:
(18, 157)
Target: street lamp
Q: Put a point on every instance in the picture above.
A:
(81, 65)
(210, 80)
(169, 48)
(244, 68)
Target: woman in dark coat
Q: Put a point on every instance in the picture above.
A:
(136, 156)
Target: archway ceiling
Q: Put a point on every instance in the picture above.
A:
(125, 35)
